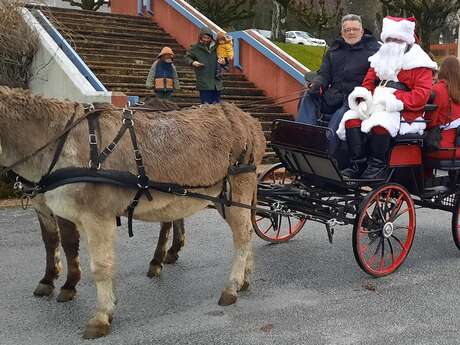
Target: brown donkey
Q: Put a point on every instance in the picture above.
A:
(57, 230)
(68, 236)
(193, 147)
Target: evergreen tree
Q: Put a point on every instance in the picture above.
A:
(91, 5)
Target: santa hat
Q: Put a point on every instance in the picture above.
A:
(400, 28)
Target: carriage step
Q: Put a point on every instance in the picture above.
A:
(431, 192)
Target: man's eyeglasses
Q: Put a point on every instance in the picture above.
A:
(351, 30)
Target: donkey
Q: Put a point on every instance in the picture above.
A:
(57, 230)
(193, 147)
(68, 236)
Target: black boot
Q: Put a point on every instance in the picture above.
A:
(356, 153)
(377, 164)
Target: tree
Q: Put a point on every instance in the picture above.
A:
(318, 15)
(430, 14)
(91, 5)
(225, 13)
(280, 13)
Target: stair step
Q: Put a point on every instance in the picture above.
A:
(132, 22)
(125, 29)
(145, 53)
(84, 13)
(141, 78)
(126, 45)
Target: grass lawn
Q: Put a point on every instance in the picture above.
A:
(309, 56)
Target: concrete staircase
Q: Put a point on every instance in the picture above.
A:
(120, 50)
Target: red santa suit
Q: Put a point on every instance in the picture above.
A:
(383, 105)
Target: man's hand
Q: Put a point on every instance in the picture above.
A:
(221, 61)
(314, 89)
(197, 64)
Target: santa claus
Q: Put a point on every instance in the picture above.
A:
(390, 100)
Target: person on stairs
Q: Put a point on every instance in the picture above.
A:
(163, 77)
(202, 56)
(389, 102)
(224, 50)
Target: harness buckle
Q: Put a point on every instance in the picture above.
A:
(91, 165)
(92, 139)
(89, 107)
(137, 155)
(128, 122)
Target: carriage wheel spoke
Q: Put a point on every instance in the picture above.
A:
(374, 256)
(399, 242)
(391, 250)
(399, 214)
(379, 209)
(398, 205)
(382, 259)
(290, 225)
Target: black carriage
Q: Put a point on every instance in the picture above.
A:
(307, 186)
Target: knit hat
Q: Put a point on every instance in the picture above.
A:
(206, 31)
(399, 28)
(166, 50)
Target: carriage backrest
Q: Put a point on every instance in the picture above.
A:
(304, 149)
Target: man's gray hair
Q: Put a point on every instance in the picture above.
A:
(350, 17)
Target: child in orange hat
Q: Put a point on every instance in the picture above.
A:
(163, 76)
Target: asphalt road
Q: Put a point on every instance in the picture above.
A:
(303, 292)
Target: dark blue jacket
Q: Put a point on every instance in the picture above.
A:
(345, 66)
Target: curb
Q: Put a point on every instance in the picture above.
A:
(10, 203)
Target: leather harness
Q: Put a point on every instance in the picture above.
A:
(141, 182)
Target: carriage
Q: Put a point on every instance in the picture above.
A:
(307, 186)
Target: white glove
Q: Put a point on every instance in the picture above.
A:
(363, 110)
(392, 104)
(197, 64)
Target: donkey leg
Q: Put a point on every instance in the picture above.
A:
(50, 237)
(160, 252)
(177, 243)
(101, 240)
(239, 220)
(70, 241)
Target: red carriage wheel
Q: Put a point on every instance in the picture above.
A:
(271, 227)
(384, 230)
(455, 224)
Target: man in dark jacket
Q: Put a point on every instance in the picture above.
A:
(344, 67)
(203, 58)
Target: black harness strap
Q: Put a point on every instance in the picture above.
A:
(93, 148)
(61, 144)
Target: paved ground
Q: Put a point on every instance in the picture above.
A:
(303, 292)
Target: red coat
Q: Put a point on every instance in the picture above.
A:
(443, 114)
(418, 80)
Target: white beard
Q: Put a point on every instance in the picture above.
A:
(387, 62)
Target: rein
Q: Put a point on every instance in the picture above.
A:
(69, 126)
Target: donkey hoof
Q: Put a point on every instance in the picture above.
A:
(171, 258)
(245, 286)
(43, 290)
(96, 329)
(154, 271)
(227, 298)
(66, 295)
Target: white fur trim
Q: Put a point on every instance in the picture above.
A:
(414, 127)
(403, 30)
(387, 120)
(393, 104)
(359, 92)
(453, 124)
(349, 115)
(416, 57)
